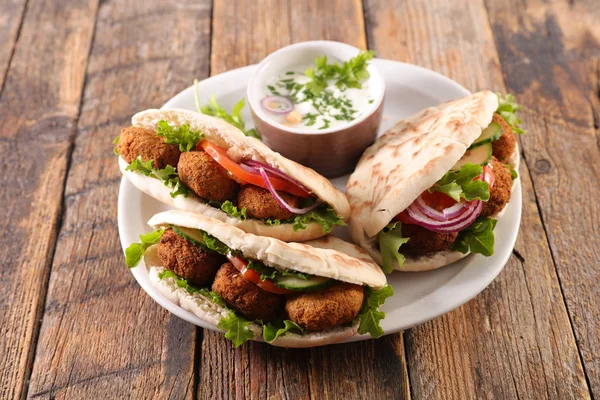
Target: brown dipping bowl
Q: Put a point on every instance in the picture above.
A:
(331, 152)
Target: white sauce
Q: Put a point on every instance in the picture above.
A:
(351, 103)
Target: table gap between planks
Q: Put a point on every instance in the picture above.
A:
(76, 324)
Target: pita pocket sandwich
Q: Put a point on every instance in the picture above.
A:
(260, 288)
(199, 163)
(430, 190)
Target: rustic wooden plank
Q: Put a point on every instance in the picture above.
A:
(102, 336)
(550, 54)
(372, 369)
(38, 109)
(11, 18)
(515, 339)
(257, 34)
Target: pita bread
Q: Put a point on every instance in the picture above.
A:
(327, 256)
(239, 147)
(409, 158)
(204, 308)
(322, 261)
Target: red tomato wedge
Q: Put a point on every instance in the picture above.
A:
(251, 275)
(219, 154)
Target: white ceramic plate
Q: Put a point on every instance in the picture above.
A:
(419, 296)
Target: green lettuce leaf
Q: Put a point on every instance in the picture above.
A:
(477, 238)
(390, 240)
(232, 210)
(271, 273)
(182, 136)
(325, 216)
(235, 118)
(167, 175)
(513, 173)
(135, 251)
(272, 221)
(236, 329)
(507, 108)
(116, 143)
(182, 283)
(460, 184)
(369, 315)
(214, 244)
(272, 331)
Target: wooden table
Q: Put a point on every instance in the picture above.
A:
(75, 324)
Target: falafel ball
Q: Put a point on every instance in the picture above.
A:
(245, 297)
(503, 148)
(326, 308)
(205, 177)
(135, 142)
(261, 204)
(187, 260)
(500, 191)
(423, 241)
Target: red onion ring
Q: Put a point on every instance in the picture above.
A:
(280, 200)
(444, 215)
(461, 222)
(284, 105)
(257, 164)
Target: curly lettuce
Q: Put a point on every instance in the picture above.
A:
(135, 251)
(370, 316)
(232, 210)
(460, 184)
(507, 108)
(167, 175)
(390, 240)
(272, 331)
(325, 216)
(182, 136)
(477, 237)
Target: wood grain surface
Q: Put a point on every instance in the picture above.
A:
(102, 336)
(552, 64)
(39, 105)
(519, 324)
(75, 323)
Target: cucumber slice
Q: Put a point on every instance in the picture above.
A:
(192, 235)
(488, 135)
(305, 285)
(479, 155)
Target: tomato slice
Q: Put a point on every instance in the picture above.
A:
(251, 275)
(437, 200)
(404, 218)
(219, 154)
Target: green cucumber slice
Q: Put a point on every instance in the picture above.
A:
(488, 135)
(479, 155)
(305, 285)
(192, 235)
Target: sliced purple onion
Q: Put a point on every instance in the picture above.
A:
(281, 201)
(445, 214)
(276, 172)
(461, 222)
(277, 104)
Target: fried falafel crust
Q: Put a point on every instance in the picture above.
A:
(205, 177)
(326, 308)
(423, 241)
(187, 260)
(501, 190)
(503, 148)
(261, 204)
(245, 297)
(135, 142)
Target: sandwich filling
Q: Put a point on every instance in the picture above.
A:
(189, 164)
(457, 212)
(277, 299)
